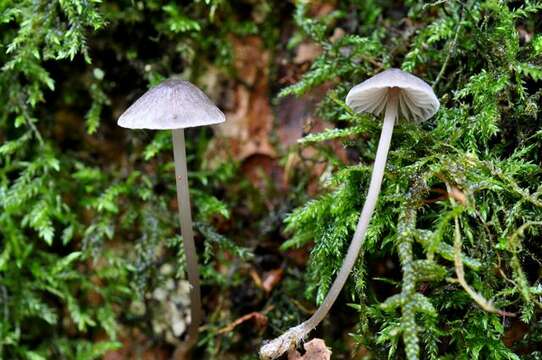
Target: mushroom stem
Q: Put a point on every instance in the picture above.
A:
(185, 217)
(365, 216)
(293, 336)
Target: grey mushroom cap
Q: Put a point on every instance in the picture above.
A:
(173, 104)
(417, 101)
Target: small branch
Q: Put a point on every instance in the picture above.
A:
(258, 317)
(450, 51)
(29, 123)
(479, 299)
(35, 130)
(460, 272)
(436, 3)
(377, 64)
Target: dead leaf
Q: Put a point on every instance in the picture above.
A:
(338, 34)
(272, 279)
(315, 349)
(307, 52)
(249, 117)
(320, 8)
(260, 169)
(525, 35)
(514, 333)
(256, 278)
(458, 195)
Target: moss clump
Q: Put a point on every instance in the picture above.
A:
(86, 219)
(461, 202)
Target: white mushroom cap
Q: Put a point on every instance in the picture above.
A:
(173, 104)
(417, 101)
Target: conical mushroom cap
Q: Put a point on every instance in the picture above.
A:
(417, 101)
(173, 104)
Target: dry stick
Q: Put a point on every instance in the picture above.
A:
(259, 317)
(460, 272)
(29, 122)
(275, 348)
(450, 51)
(185, 217)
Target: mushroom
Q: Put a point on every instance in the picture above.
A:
(176, 105)
(393, 92)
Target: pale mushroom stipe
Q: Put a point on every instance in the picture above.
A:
(175, 105)
(395, 93)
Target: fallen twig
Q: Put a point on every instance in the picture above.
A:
(460, 272)
(259, 318)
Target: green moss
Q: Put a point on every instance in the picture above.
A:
(85, 208)
(483, 145)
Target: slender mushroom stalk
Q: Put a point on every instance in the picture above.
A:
(176, 105)
(390, 90)
(185, 218)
